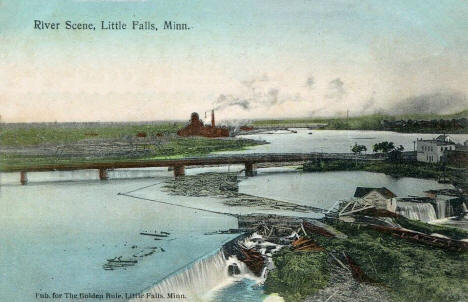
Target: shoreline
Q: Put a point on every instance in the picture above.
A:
(345, 287)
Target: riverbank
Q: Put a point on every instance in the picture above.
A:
(117, 151)
(369, 122)
(396, 169)
(406, 169)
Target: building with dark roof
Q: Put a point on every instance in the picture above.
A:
(380, 198)
(363, 191)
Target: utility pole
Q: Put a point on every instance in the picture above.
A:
(347, 118)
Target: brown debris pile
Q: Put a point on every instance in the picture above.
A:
(306, 245)
(253, 259)
(445, 243)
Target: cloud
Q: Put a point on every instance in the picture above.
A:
(225, 101)
(310, 81)
(336, 89)
(258, 92)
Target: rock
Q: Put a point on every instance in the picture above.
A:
(233, 269)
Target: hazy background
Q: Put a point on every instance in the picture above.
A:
(248, 59)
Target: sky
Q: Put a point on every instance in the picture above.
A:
(246, 59)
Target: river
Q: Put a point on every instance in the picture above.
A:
(59, 231)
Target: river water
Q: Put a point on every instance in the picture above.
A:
(335, 141)
(60, 229)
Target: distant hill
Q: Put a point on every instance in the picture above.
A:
(436, 103)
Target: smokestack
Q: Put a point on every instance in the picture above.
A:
(212, 119)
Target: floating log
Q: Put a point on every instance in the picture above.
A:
(154, 234)
(118, 260)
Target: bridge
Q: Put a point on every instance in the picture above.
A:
(249, 160)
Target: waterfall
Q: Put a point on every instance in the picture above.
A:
(444, 208)
(417, 211)
(196, 281)
(441, 209)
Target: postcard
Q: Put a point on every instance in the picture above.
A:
(233, 151)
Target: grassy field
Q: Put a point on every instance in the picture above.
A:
(367, 122)
(42, 134)
(297, 274)
(176, 147)
(412, 272)
(160, 142)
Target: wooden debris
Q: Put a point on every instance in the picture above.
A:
(117, 262)
(154, 234)
(445, 243)
(302, 227)
(253, 259)
(339, 262)
(304, 244)
(317, 230)
(331, 296)
(357, 272)
(229, 231)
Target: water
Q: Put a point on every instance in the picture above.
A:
(155, 194)
(207, 279)
(192, 283)
(442, 209)
(57, 236)
(323, 189)
(417, 211)
(244, 290)
(336, 141)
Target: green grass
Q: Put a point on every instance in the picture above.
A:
(175, 147)
(168, 146)
(426, 228)
(298, 274)
(411, 272)
(57, 134)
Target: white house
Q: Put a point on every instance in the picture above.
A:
(433, 150)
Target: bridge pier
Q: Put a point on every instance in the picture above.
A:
(23, 178)
(103, 174)
(179, 171)
(250, 169)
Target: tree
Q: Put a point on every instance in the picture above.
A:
(394, 153)
(385, 147)
(358, 149)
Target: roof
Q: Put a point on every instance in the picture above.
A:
(441, 140)
(444, 138)
(437, 142)
(363, 191)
